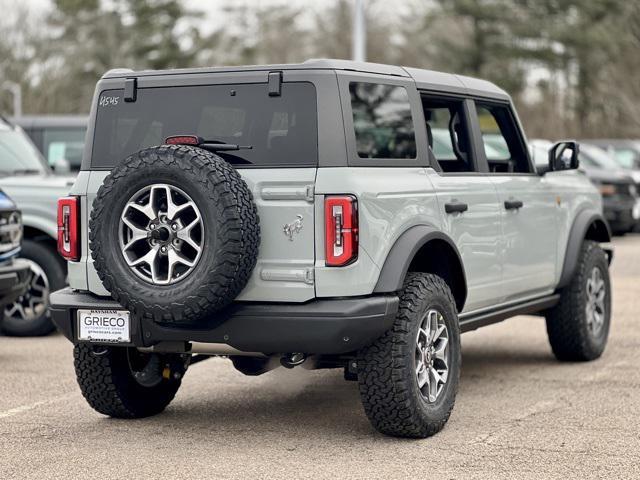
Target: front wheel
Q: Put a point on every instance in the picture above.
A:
(29, 314)
(122, 382)
(578, 327)
(408, 378)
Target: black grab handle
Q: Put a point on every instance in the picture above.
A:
(513, 204)
(455, 207)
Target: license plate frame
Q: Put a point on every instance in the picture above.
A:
(103, 326)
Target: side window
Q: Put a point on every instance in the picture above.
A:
(447, 133)
(382, 121)
(502, 145)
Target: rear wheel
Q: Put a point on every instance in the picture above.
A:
(125, 383)
(29, 315)
(578, 327)
(408, 378)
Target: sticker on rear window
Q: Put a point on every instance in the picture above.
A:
(107, 101)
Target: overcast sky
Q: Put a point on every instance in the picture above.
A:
(211, 8)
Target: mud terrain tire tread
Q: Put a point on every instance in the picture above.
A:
(386, 377)
(236, 245)
(109, 388)
(566, 322)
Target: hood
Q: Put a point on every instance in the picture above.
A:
(37, 197)
(602, 175)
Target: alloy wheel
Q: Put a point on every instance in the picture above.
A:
(35, 301)
(432, 355)
(161, 234)
(595, 306)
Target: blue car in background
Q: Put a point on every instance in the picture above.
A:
(15, 273)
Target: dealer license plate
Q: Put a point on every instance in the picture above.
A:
(104, 326)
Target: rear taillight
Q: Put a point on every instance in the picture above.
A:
(69, 228)
(341, 230)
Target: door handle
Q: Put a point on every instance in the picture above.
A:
(513, 204)
(455, 207)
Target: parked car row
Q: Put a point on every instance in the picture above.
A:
(15, 273)
(617, 180)
(28, 180)
(60, 138)
(40, 155)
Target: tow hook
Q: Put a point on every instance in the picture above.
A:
(291, 360)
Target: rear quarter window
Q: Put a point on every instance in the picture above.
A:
(282, 130)
(382, 121)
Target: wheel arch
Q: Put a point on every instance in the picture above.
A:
(38, 235)
(588, 225)
(424, 249)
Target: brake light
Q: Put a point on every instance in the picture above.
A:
(69, 228)
(183, 140)
(341, 230)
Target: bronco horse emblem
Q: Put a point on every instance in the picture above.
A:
(293, 227)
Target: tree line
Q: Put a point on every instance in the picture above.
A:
(572, 66)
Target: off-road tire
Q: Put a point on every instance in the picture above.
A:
(386, 369)
(232, 234)
(109, 387)
(569, 335)
(55, 270)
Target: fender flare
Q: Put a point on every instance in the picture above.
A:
(581, 225)
(403, 252)
(46, 226)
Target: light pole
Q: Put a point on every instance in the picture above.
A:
(359, 41)
(16, 92)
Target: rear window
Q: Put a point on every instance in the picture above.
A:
(63, 144)
(281, 129)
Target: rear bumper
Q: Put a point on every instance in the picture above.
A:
(15, 276)
(330, 326)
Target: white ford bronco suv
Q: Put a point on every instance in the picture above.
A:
(331, 213)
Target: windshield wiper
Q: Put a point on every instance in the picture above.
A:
(20, 171)
(26, 171)
(217, 146)
(211, 145)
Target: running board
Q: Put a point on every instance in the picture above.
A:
(497, 315)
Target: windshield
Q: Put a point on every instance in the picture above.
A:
(597, 158)
(63, 144)
(18, 154)
(627, 157)
(443, 148)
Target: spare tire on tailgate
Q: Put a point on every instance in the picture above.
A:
(174, 233)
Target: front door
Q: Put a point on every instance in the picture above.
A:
(527, 204)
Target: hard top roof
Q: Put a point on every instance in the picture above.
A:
(51, 121)
(427, 78)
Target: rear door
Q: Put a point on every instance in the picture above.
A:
(528, 205)
(467, 198)
(277, 119)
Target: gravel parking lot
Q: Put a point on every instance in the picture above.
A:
(519, 414)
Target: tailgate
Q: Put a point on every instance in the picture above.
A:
(284, 272)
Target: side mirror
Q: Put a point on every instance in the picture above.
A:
(564, 156)
(62, 166)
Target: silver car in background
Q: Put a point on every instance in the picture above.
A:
(28, 180)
